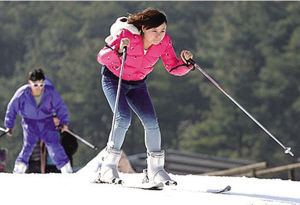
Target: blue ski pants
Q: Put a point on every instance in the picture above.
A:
(133, 96)
(33, 130)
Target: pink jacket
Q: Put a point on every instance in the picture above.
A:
(138, 64)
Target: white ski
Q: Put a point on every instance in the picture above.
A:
(146, 186)
(219, 191)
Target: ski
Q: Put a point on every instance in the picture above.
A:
(159, 186)
(116, 181)
(212, 191)
(219, 191)
(156, 187)
(144, 186)
(168, 185)
(119, 182)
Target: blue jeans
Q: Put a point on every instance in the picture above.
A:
(133, 95)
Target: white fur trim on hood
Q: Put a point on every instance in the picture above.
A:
(118, 26)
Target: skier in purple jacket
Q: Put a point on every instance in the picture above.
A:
(36, 103)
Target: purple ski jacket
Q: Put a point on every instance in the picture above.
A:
(23, 103)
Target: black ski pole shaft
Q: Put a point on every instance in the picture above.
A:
(110, 140)
(4, 131)
(81, 139)
(287, 149)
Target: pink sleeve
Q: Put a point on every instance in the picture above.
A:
(108, 55)
(173, 65)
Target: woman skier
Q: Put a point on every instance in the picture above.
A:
(144, 35)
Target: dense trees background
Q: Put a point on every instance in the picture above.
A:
(250, 48)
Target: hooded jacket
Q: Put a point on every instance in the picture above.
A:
(23, 103)
(138, 64)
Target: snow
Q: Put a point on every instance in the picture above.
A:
(44, 189)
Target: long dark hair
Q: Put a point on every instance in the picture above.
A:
(149, 18)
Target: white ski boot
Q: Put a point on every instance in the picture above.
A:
(155, 173)
(109, 167)
(20, 168)
(67, 168)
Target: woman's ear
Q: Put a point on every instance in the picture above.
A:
(143, 29)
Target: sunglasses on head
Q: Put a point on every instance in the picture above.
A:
(38, 84)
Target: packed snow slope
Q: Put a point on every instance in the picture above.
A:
(59, 189)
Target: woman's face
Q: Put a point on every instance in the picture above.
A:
(155, 35)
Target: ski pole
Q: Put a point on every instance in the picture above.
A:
(287, 149)
(4, 131)
(81, 139)
(110, 140)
